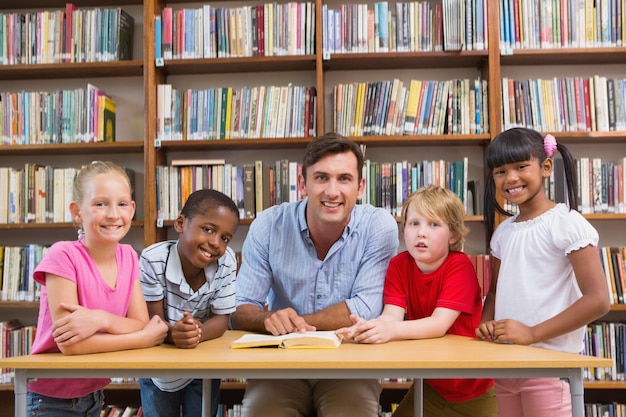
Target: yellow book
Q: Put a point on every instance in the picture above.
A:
(411, 108)
(306, 340)
(358, 119)
(107, 119)
(229, 105)
(590, 39)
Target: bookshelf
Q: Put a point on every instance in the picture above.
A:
(134, 84)
(123, 80)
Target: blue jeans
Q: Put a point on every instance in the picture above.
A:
(89, 405)
(186, 402)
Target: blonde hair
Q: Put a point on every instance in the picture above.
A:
(439, 203)
(87, 173)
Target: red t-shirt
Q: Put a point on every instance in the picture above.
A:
(453, 285)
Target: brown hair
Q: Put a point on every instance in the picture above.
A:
(331, 143)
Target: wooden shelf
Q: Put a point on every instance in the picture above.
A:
(132, 68)
(239, 65)
(605, 216)
(19, 304)
(230, 144)
(48, 4)
(73, 148)
(605, 385)
(405, 60)
(565, 56)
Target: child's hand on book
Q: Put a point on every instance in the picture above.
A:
(286, 321)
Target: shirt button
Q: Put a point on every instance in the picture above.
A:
(319, 296)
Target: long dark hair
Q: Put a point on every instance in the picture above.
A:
(516, 145)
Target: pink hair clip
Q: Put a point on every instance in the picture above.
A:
(549, 145)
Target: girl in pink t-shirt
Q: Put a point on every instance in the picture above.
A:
(91, 298)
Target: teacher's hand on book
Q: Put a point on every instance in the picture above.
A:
(286, 321)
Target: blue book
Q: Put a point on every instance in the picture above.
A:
(425, 110)
(383, 26)
(158, 54)
(502, 25)
(479, 104)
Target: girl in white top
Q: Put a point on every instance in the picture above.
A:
(548, 282)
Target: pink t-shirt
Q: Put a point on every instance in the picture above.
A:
(72, 260)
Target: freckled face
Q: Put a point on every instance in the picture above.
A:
(427, 240)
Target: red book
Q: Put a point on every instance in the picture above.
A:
(167, 33)
(578, 99)
(587, 105)
(68, 56)
(307, 107)
(261, 27)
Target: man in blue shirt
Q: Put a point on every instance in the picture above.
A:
(315, 262)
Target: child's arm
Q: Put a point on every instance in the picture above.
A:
(486, 328)
(392, 326)
(594, 303)
(79, 330)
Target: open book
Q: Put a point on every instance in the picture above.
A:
(307, 340)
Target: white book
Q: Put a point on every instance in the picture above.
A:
(622, 202)
(68, 190)
(4, 195)
(167, 112)
(160, 111)
(281, 118)
(583, 184)
(597, 184)
(15, 195)
(293, 181)
(602, 107)
(174, 194)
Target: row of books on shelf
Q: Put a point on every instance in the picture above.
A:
(405, 27)
(259, 185)
(66, 35)
(612, 259)
(388, 108)
(601, 185)
(269, 29)
(570, 104)
(17, 264)
(532, 24)
(58, 116)
(16, 339)
(614, 409)
(606, 340)
(224, 113)
(38, 193)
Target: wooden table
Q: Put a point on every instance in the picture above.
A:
(446, 357)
